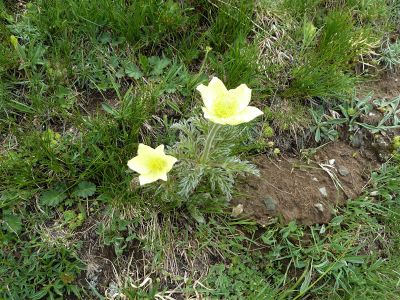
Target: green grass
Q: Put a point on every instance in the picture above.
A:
(83, 82)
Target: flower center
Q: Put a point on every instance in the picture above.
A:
(157, 164)
(225, 106)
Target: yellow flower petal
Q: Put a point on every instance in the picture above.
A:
(144, 149)
(213, 91)
(242, 95)
(246, 115)
(170, 162)
(217, 86)
(148, 178)
(160, 149)
(206, 94)
(138, 164)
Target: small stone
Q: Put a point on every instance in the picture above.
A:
(315, 179)
(343, 171)
(374, 193)
(332, 162)
(270, 204)
(237, 210)
(323, 191)
(319, 206)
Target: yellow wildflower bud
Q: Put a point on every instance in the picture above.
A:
(227, 107)
(151, 164)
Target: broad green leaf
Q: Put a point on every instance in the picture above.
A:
(53, 197)
(84, 189)
(13, 222)
(336, 221)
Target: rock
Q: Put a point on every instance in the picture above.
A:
(237, 210)
(343, 171)
(374, 193)
(270, 204)
(315, 179)
(332, 162)
(323, 191)
(381, 143)
(319, 207)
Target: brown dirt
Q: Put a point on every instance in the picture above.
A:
(293, 186)
(93, 102)
(386, 87)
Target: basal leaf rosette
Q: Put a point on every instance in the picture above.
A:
(151, 164)
(227, 107)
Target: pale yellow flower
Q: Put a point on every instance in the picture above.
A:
(151, 164)
(227, 107)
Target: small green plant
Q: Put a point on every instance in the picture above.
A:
(391, 115)
(72, 219)
(267, 131)
(43, 271)
(325, 127)
(352, 110)
(390, 55)
(206, 165)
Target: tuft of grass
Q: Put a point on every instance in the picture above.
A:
(232, 21)
(325, 69)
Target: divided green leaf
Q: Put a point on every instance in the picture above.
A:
(84, 189)
(54, 196)
(159, 64)
(133, 71)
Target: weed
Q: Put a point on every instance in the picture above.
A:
(390, 55)
(42, 271)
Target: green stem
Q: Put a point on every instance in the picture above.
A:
(209, 142)
(204, 60)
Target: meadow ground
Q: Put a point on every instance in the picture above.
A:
(84, 82)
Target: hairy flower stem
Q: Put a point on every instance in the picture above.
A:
(209, 142)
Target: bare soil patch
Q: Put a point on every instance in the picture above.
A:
(292, 189)
(386, 87)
